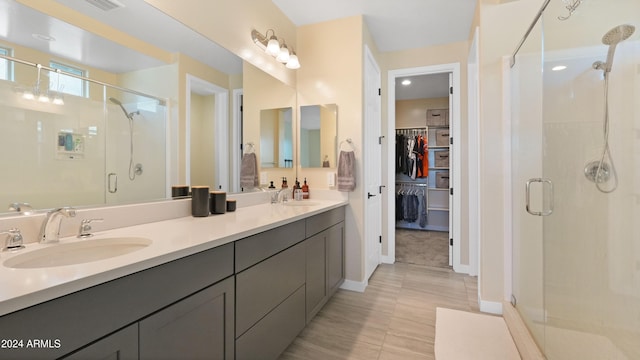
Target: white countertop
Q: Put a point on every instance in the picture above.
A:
(172, 239)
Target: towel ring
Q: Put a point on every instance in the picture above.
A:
(349, 142)
(249, 149)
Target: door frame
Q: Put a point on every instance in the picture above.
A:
(389, 194)
(370, 90)
(221, 126)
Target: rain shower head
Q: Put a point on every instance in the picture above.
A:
(612, 38)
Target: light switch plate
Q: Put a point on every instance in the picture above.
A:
(331, 179)
(263, 178)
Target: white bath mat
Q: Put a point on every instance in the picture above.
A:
(462, 335)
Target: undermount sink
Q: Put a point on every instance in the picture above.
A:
(78, 252)
(299, 203)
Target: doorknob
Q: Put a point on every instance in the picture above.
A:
(370, 195)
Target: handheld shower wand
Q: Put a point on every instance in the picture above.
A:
(129, 115)
(599, 171)
(612, 38)
(137, 170)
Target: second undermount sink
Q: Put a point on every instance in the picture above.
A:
(78, 252)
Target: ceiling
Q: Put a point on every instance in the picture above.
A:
(394, 24)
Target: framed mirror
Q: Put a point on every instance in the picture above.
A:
(318, 135)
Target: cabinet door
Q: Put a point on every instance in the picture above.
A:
(316, 276)
(335, 257)
(121, 345)
(198, 327)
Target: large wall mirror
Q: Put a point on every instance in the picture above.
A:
(318, 135)
(67, 154)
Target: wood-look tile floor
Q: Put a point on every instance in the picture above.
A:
(394, 318)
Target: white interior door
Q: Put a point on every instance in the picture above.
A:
(452, 174)
(372, 164)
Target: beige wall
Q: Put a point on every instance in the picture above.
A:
(413, 113)
(503, 25)
(256, 99)
(202, 144)
(322, 81)
(229, 23)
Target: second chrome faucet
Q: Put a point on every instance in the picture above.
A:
(50, 230)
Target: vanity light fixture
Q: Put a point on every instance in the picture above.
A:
(270, 43)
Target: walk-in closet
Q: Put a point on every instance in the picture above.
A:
(422, 171)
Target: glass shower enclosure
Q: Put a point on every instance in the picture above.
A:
(575, 124)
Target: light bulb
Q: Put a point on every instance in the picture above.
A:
(293, 62)
(28, 95)
(273, 46)
(283, 56)
(43, 98)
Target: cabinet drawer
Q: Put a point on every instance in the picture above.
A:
(256, 248)
(273, 334)
(323, 221)
(198, 327)
(262, 287)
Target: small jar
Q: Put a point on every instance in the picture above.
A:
(200, 201)
(218, 201)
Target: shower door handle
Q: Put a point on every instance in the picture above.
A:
(112, 187)
(549, 184)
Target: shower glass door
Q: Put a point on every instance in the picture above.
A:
(136, 143)
(576, 272)
(591, 241)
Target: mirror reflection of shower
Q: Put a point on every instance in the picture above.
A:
(137, 169)
(600, 171)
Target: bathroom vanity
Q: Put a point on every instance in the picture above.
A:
(244, 295)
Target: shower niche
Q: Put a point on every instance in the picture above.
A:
(70, 146)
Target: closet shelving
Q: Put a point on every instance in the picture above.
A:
(436, 199)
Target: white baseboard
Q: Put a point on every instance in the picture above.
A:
(386, 259)
(462, 269)
(491, 307)
(351, 285)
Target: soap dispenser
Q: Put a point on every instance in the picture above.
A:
(305, 189)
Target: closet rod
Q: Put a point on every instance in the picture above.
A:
(411, 183)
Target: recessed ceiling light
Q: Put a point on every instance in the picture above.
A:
(43, 37)
(406, 82)
(558, 68)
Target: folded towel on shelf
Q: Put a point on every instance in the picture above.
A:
(249, 171)
(346, 171)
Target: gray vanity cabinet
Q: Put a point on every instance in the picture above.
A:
(121, 345)
(198, 327)
(283, 278)
(325, 267)
(270, 305)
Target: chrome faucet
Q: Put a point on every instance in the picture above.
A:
(50, 230)
(275, 195)
(85, 228)
(14, 240)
